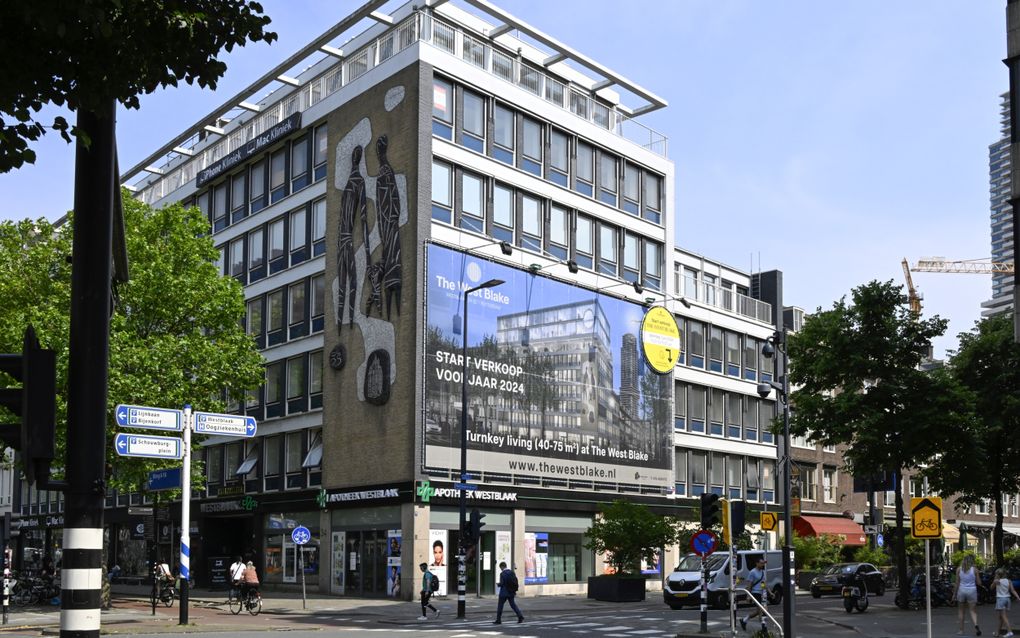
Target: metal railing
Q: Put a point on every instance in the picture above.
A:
(419, 26)
(764, 610)
(727, 299)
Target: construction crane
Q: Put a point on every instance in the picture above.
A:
(972, 266)
(912, 296)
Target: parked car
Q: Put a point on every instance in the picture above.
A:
(431, 427)
(830, 580)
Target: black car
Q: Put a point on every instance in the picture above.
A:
(830, 581)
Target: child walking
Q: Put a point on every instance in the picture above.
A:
(1003, 593)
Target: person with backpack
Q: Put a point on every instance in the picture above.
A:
(508, 586)
(429, 586)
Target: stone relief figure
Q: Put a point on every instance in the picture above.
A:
(375, 277)
(352, 202)
(387, 202)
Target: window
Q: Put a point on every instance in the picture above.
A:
(276, 246)
(238, 197)
(584, 242)
(277, 176)
(808, 483)
(696, 343)
(214, 464)
(256, 249)
(631, 257)
(442, 202)
(237, 258)
(653, 198)
(503, 213)
(221, 259)
(559, 224)
(696, 402)
(680, 407)
(272, 451)
(751, 349)
(204, 205)
(768, 481)
(313, 459)
(766, 413)
(274, 382)
(319, 156)
(680, 471)
(829, 448)
(708, 284)
(753, 470)
(474, 122)
(734, 477)
(531, 223)
(220, 219)
(250, 459)
(717, 473)
(732, 354)
(559, 158)
(608, 186)
(585, 173)
(653, 265)
(801, 441)
(716, 411)
(296, 381)
(734, 414)
(766, 365)
(295, 451)
(690, 283)
(503, 135)
(829, 485)
(232, 459)
(318, 227)
(297, 303)
(257, 186)
(275, 300)
(298, 236)
(607, 250)
(299, 177)
(318, 304)
(631, 189)
(698, 467)
(315, 372)
(531, 148)
(715, 349)
(254, 315)
(442, 109)
(472, 203)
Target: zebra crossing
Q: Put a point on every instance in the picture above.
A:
(609, 625)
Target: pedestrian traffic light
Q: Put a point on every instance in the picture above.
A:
(34, 402)
(738, 519)
(710, 516)
(475, 526)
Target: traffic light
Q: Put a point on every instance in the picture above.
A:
(738, 519)
(710, 516)
(34, 402)
(475, 526)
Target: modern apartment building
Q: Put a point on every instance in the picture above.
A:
(1001, 215)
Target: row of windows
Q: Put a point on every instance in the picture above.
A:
(730, 476)
(803, 441)
(288, 240)
(806, 488)
(483, 205)
(267, 180)
(700, 409)
(289, 312)
(724, 351)
(488, 126)
(267, 459)
(292, 386)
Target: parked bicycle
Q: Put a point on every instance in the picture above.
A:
(33, 591)
(250, 600)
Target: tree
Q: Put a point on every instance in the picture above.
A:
(858, 383)
(987, 464)
(629, 532)
(175, 337)
(84, 54)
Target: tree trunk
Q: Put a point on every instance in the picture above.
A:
(997, 532)
(901, 545)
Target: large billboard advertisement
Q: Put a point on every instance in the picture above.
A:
(558, 386)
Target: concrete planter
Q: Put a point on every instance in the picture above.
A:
(616, 589)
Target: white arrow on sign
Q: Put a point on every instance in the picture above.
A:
(146, 418)
(155, 447)
(225, 424)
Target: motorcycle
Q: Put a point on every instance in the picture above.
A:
(855, 593)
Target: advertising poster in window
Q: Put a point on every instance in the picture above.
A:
(393, 538)
(536, 558)
(336, 581)
(439, 561)
(503, 554)
(558, 386)
(653, 567)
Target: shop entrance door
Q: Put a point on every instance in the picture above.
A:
(289, 560)
(376, 546)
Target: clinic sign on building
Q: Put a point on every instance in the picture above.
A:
(559, 385)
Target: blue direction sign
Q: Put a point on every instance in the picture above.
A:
(704, 542)
(153, 447)
(225, 424)
(169, 479)
(146, 418)
(300, 535)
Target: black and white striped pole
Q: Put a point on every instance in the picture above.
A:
(185, 570)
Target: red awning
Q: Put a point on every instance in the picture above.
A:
(831, 525)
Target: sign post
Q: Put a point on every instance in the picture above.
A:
(185, 571)
(703, 543)
(926, 523)
(301, 536)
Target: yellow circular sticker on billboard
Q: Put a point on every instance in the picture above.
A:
(660, 339)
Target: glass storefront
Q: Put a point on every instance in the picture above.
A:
(284, 559)
(554, 549)
(366, 547)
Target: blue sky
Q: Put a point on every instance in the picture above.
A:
(828, 140)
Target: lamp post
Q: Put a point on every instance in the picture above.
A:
(778, 341)
(462, 550)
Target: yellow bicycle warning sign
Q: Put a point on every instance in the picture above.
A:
(926, 517)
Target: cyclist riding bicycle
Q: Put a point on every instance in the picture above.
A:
(250, 581)
(163, 573)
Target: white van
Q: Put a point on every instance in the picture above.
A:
(683, 586)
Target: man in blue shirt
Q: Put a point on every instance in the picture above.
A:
(508, 586)
(426, 592)
(757, 586)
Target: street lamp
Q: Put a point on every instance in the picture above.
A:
(768, 350)
(461, 554)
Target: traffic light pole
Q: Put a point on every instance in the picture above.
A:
(92, 251)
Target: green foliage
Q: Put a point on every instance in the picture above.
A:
(957, 558)
(876, 556)
(629, 532)
(816, 552)
(83, 54)
(1011, 558)
(175, 334)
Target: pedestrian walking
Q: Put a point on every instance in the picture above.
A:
(1004, 592)
(508, 586)
(966, 592)
(757, 587)
(429, 586)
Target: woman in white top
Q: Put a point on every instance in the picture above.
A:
(1003, 593)
(966, 591)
